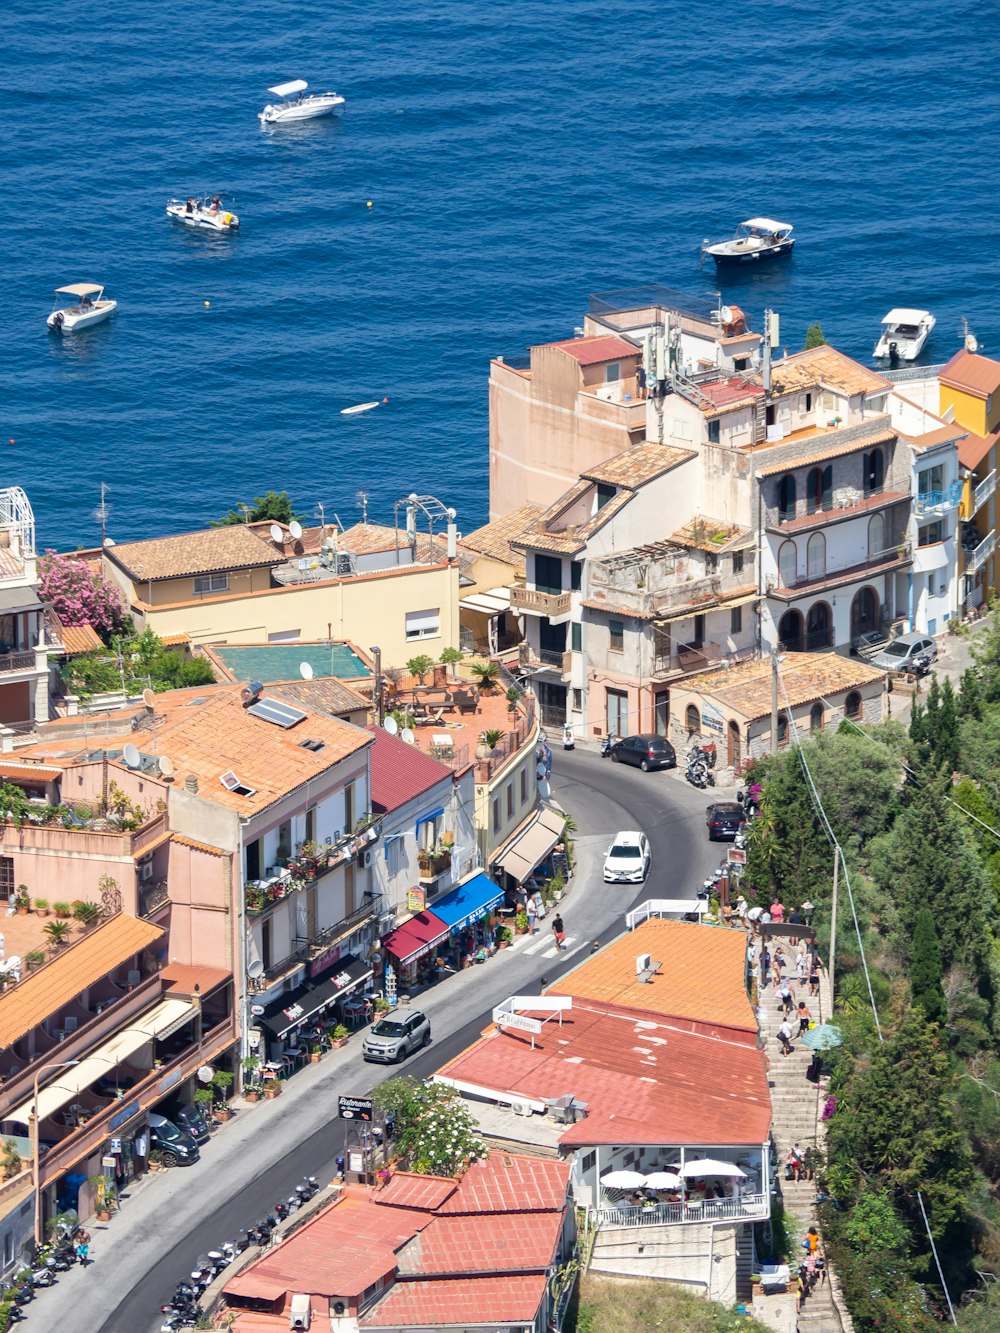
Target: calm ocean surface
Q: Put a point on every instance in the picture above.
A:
(519, 157)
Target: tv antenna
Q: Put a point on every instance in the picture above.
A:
(101, 513)
(362, 499)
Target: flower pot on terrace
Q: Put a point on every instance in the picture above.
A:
(339, 1043)
(272, 1090)
(103, 1215)
(223, 1114)
(252, 1095)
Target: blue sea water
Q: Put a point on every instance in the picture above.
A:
(518, 157)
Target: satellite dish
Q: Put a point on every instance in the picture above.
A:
(726, 314)
(306, 671)
(545, 788)
(166, 766)
(407, 735)
(205, 1074)
(276, 534)
(391, 726)
(295, 529)
(149, 698)
(131, 755)
(255, 969)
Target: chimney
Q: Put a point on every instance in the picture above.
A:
(191, 784)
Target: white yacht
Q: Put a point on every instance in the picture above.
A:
(904, 333)
(209, 212)
(755, 240)
(90, 308)
(295, 105)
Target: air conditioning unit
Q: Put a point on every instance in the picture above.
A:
(643, 962)
(366, 858)
(522, 1108)
(146, 870)
(300, 1315)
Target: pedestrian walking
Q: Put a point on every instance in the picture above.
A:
(812, 1240)
(814, 977)
(801, 966)
(794, 920)
(793, 1166)
(785, 1037)
(785, 998)
(777, 964)
(83, 1247)
(727, 914)
(531, 907)
(820, 1267)
(765, 964)
(742, 909)
(805, 1017)
(777, 911)
(807, 910)
(559, 931)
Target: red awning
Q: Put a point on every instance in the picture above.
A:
(415, 937)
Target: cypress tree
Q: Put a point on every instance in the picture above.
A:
(925, 969)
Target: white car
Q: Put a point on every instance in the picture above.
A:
(628, 858)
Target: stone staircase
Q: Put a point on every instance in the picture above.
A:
(796, 1104)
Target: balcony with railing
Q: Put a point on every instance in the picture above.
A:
(558, 659)
(833, 573)
(433, 864)
(842, 505)
(690, 1211)
(682, 659)
(534, 602)
(942, 501)
(978, 555)
(983, 492)
(297, 874)
(321, 941)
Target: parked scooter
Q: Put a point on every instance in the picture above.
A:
(307, 1188)
(607, 745)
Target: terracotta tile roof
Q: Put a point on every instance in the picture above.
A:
(408, 1190)
(825, 366)
(400, 772)
(644, 1079)
(971, 373)
(84, 962)
(175, 640)
(508, 1182)
(507, 1242)
(724, 395)
(330, 696)
(709, 534)
(80, 639)
(946, 434)
(593, 350)
(746, 689)
(198, 846)
(494, 539)
(974, 448)
(701, 978)
(207, 552)
(638, 465)
(25, 772)
(184, 978)
(832, 450)
(340, 1252)
(609, 609)
(462, 1302)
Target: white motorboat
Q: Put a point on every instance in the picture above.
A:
(295, 105)
(904, 333)
(209, 212)
(90, 308)
(755, 240)
(357, 409)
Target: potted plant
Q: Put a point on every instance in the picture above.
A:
(487, 673)
(419, 666)
(272, 1089)
(451, 658)
(222, 1081)
(504, 936)
(338, 1037)
(251, 1078)
(513, 694)
(61, 909)
(87, 914)
(382, 1005)
(21, 900)
(315, 1053)
(521, 923)
(34, 959)
(57, 932)
(105, 1197)
(156, 1160)
(205, 1099)
(42, 906)
(492, 737)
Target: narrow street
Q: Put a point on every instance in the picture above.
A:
(167, 1220)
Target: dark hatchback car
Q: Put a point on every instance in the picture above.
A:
(176, 1145)
(189, 1118)
(725, 819)
(645, 752)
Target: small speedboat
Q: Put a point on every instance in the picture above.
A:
(295, 105)
(209, 212)
(358, 408)
(904, 333)
(90, 308)
(755, 240)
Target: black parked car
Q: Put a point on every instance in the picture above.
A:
(192, 1119)
(644, 752)
(176, 1145)
(725, 819)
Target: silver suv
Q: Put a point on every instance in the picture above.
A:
(901, 654)
(396, 1036)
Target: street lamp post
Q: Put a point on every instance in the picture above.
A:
(63, 1064)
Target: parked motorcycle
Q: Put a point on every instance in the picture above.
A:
(607, 745)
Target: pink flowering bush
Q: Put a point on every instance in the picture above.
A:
(79, 596)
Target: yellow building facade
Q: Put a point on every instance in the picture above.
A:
(970, 396)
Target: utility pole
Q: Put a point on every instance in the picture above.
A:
(378, 690)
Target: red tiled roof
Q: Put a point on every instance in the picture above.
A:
(592, 351)
(507, 1182)
(80, 639)
(342, 1251)
(459, 1301)
(490, 1243)
(733, 390)
(978, 375)
(974, 448)
(407, 1190)
(642, 1080)
(400, 772)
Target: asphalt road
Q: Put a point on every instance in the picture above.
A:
(262, 1154)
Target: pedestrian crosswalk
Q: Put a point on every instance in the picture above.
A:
(541, 944)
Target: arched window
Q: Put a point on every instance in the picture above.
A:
(819, 489)
(788, 565)
(874, 465)
(816, 555)
(786, 497)
(790, 631)
(864, 612)
(693, 720)
(818, 624)
(876, 535)
(852, 705)
(816, 717)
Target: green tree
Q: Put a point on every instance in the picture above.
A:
(934, 729)
(815, 336)
(925, 969)
(274, 506)
(419, 666)
(435, 1133)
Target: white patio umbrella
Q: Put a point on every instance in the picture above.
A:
(623, 1180)
(663, 1180)
(708, 1166)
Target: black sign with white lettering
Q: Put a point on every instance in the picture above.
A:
(355, 1108)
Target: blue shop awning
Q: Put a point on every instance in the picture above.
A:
(468, 902)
